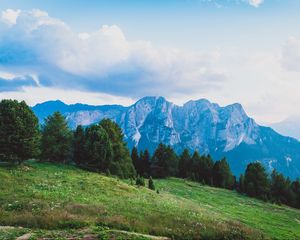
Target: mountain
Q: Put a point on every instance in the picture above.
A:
(78, 113)
(197, 125)
(288, 127)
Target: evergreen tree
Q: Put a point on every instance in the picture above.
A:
(164, 162)
(136, 160)
(79, 146)
(121, 164)
(295, 186)
(151, 184)
(222, 176)
(241, 186)
(157, 162)
(56, 139)
(98, 148)
(19, 132)
(145, 163)
(140, 181)
(183, 164)
(205, 167)
(280, 190)
(256, 181)
(193, 167)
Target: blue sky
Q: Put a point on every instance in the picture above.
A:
(117, 51)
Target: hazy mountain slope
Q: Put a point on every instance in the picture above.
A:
(197, 125)
(78, 113)
(288, 127)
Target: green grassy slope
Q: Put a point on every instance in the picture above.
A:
(276, 221)
(66, 200)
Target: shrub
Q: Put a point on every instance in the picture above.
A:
(140, 181)
(151, 184)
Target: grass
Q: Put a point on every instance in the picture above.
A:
(48, 199)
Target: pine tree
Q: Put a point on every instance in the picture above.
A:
(145, 163)
(56, 139)
(79, 146)
(151, 184)
(136, 160)
(98, 148)
(183, 163)
(280, 189)
(193, 168)
(295, 186)
(256, 181)
(164, 162)
(121, 164)
(222, 176)
(205, 167)
(140, 181)
(19, 132)
(241, 186)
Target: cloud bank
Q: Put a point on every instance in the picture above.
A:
(34, 44)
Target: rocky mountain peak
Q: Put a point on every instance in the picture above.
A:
(197, 125)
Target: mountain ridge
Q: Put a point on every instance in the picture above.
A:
(196, 125)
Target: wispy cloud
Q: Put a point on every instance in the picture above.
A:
(221, 3)
(255, 3)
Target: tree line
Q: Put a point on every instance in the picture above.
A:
(101, 147)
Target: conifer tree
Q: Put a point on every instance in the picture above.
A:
(205, 167)
(121, 164)
(164, 162)
(56, 139)
(145, 163)
(98, 148)
(151, 184)
(256, 181)
(79, 146)
(241, 186)
(280, 189)
(296, 192)
(140, 181)
(19, 132)
(194, 167)
(183, 164)
(222, 176)
(136, 160)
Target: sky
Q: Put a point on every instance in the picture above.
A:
(117, 51)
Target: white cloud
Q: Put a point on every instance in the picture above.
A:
(103, 60)
(7, 75)
(255, 3)
(10, 16)
(33, 95)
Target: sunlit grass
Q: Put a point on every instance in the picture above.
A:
(60, 197)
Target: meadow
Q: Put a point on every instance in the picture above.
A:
(61, 201)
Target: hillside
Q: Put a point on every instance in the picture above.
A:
(197, 125)
(66, 202)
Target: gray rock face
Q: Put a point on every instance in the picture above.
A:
(197, 125)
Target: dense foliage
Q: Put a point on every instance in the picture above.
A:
(56, 139)
(164, 162)
(255, 182)
(121, 162)
(19, 132)
(100, 147)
